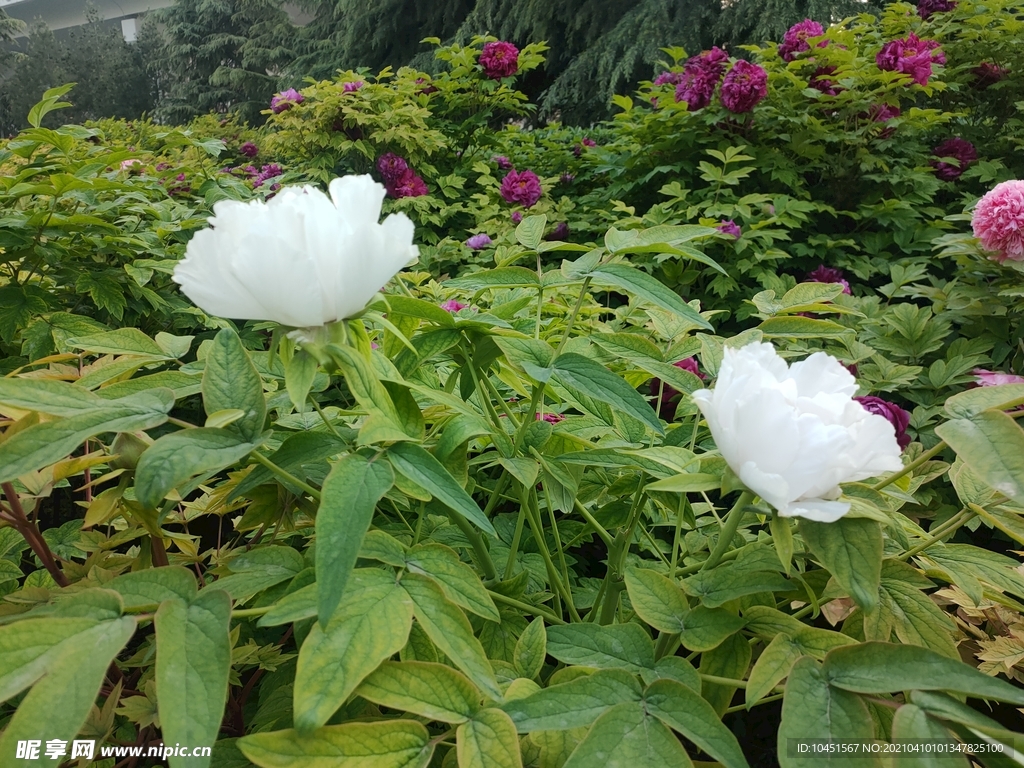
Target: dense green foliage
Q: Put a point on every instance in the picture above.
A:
(482, 536)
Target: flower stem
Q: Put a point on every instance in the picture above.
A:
(483, 556)
(929, 454)
(284, 474)
(527, 608)
(948, 527)
(572, 317)
(729, 528)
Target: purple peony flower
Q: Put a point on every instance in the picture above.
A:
(584, 142)
(958, 149)
(391, 167)
(925, 8)
(852, 368)
(478, 242)
(729, 227)
(882, 113)
(502, 162)
(825, 274)
(517, 217)
(352, 86)
(521, 187)
(162, 167)
(285, 100)
(987, 74)
(795, 39)
(499, 60)
(409, 184)
(700, 77)
(668, 78)
(899, 418)
(266, 173)
(550, 418)
(912, 56)
(821, 81)
(453, 306)
(567, 178)
(743, 87)
(560, 232)
(249, 149)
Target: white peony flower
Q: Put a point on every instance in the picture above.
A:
(302, 259)
(794, 433)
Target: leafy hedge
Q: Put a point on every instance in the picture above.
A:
(483, 527)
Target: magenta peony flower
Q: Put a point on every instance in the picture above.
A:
(730, 227)
(987, 74)
(352, 86)
(825, 274)
(911, 56)
(249, 149)
(550, 418)
(899, 418)
(521, 187)
(821, 81)
(744, 87)
(560, 232)
(426, 89)
(499, 60)
(795, 39)
(162, 167)
(517, 217)
(567, 178)
(925, 8)
(478, 242)
(994, 378)
(584, 142)
(852, 368)
(391, 167)
(998, 221)
(960, 150)
(668, 78)
(670, 395)
(453, 306)
(285, 100)
(409, 184)
(266, 173)
(700, 77)
(502, 162)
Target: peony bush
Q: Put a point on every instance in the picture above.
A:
(403, 431)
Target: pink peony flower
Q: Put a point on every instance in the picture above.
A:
(352, 86)
(517, 217)
(730, 227)
(744, 87)
(391, 167)
(911, 56)
(478, 242)
(925, 8)
(825, 274)
(285, 100)
(409, 184)
(127, 165)
(584, 142)
(994, 378)
(670, 395)
(249, 149)
(899, 418)
(998, 221)
(987, 74)
(960, 150)
(453, 306)
(499, 60)
(795, 39)
(502, 162)
(521, 187)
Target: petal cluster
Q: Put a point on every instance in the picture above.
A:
(499, 59)
(960, 150)
(795, 39)
(912, 56)
(998, 221)
(521, 187)
(794, 433)
(302, 259)
(744, 87)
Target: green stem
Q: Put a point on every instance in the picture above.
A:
(241, 613)
(527, 608)
(572, 316)
(729, 528)
(665, 640)
(284, 474)
(929, 454)
(723, 680)
(940, 533)
(323, 416)
(561, 589)
(598, 528)
(765, 700)
(516, 538)
(483, 557)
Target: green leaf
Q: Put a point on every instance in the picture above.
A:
(72, 680)
(364, 384)
(449, 629)
(154, 585)
(593, 379)
(626, 737)
(656, 599)
(917, 619)
(717, 586)
(176, 457)
(504, 277)
(802, 328)
(683, 710)
(883, 668)
(530, 231)
(851, 550)
(624, 646)
(649, 289)
(774, 663)
(531, 650)
(992, 444)
(296, 606)
(370, 625)
(574, 704)
(297, 452)
(350, 495)
(43, 444)
(123, 341)
(812, 709)
(193, 662)
(416, 464)
(457, 580)
(971, 402)
(386, 744)
(489, 740)
(230, 381)
(433, 691)
(911, 723)
(687, 482)
(28, 649)
(18, 305)
(258, 569)
(424, 310)
(56, 398)
(730, 659)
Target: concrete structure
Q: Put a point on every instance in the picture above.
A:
(64, 14)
